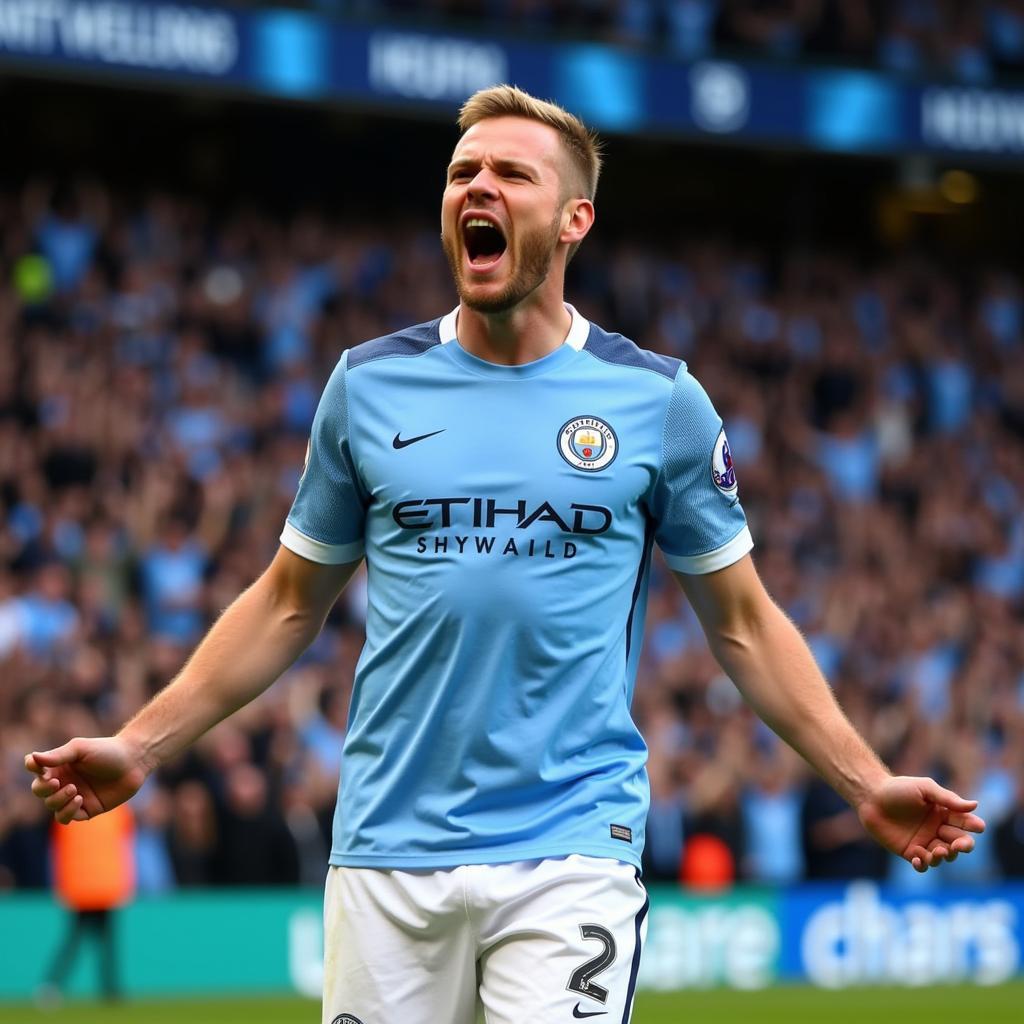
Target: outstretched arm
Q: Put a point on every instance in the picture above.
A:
(260, 634)
(768, 660)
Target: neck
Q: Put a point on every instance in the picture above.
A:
(517, 336)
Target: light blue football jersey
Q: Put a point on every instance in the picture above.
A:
(507, 515)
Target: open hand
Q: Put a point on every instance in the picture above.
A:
(85, 777)
(918, 820)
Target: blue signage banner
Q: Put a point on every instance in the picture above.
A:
(834, 936)
(135, 38)
(861, 934)
(304, 56)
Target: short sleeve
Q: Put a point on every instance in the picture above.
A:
(700, 524)
(327, 518)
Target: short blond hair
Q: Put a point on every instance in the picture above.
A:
(581, 144)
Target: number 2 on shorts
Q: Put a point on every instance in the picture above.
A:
(581, 980)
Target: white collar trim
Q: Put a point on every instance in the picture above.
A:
(447, 326)
(579, 329)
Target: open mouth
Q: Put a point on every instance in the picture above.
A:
(484, 240)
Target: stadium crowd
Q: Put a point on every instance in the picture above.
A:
(972, 42)
(159, 369)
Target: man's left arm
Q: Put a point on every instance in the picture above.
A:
(770, 663)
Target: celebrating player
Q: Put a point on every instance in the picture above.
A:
(505, 469)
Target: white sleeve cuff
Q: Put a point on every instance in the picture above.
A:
(711, 561)
(318, 551)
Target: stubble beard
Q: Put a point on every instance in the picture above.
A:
(535, 255)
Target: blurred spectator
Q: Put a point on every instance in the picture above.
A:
(66, 235)
(24, 831)
(193, 835)
(324, 733)
(48, 617)
(1009, 839)
(663, 847)
(254, 846)
(154, 868)
(171, 572)
(771, 815)
(835, 845)
(311, 840)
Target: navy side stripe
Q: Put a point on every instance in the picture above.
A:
(635, 969)
(645, 559)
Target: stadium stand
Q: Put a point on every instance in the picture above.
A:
(160, 361)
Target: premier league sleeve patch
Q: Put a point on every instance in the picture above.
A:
(588, 443)
(723, 472)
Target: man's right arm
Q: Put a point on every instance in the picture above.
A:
(259, 636)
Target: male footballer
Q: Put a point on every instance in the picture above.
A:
(505, 471)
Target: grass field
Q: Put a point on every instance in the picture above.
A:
(1001, 1005)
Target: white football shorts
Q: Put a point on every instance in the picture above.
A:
(545, 941)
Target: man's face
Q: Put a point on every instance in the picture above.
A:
(501, 215)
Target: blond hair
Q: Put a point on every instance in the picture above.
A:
(581, 144)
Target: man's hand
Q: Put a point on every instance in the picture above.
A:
(920, 821)
(86, 777)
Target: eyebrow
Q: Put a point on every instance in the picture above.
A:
(502, 163)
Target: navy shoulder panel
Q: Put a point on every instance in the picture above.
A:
(411, 341)
(614, 348)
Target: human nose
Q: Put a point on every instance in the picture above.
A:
(482, 186)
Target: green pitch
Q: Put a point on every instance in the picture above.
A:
(1000, 1005)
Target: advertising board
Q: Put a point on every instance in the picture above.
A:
(271, 941)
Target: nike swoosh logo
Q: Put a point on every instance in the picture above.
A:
(399, 443)
(580, 1014)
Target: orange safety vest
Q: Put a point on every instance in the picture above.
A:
(94, 861)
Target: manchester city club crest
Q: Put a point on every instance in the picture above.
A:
(723, 472)
(588, 443)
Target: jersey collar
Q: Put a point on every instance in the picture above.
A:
(579, 329)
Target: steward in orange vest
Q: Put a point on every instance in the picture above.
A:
(93, 874)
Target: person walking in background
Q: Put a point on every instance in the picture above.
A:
(93, 876)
